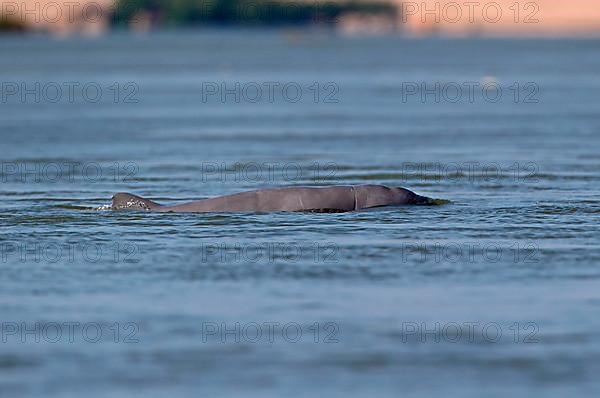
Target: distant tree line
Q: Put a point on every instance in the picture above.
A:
(11, 25)
(241, 12)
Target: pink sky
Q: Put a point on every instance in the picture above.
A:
(553, 16)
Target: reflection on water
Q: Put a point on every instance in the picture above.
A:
(497, 284)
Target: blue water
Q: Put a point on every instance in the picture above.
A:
(495, 293)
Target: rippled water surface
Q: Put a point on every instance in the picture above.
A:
(496, 291)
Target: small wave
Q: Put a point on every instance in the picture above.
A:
(83, 208)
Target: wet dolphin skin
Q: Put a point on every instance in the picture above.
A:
(318, 199)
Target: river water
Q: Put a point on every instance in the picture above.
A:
(495, 291)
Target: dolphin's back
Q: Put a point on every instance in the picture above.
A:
(278, 199)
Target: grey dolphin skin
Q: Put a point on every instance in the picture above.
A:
(310, 199)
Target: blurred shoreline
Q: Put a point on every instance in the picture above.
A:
(296, 35)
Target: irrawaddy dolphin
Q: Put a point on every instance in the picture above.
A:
(310, 199)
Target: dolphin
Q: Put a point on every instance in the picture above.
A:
(330, 199)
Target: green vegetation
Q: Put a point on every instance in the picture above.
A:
(10, 25)
(241, 12)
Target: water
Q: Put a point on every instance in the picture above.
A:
(495, 291)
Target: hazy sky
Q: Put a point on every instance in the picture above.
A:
(540, 16)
